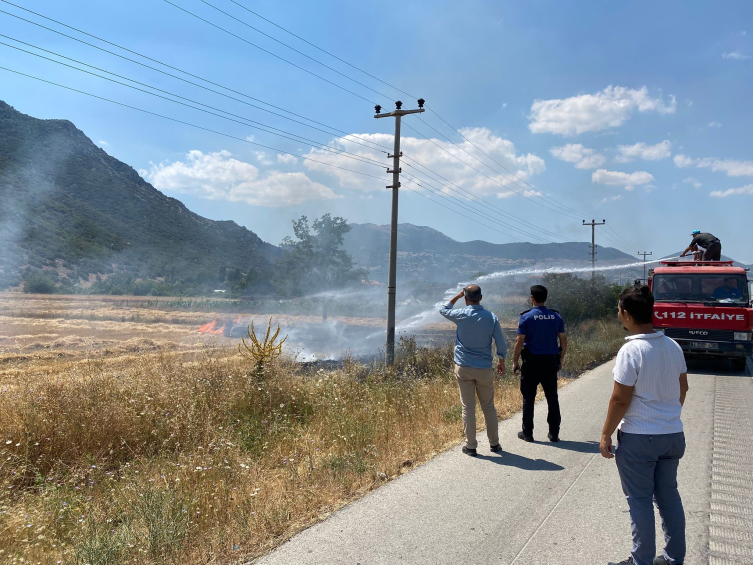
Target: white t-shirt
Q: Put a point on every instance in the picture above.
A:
(652, 364)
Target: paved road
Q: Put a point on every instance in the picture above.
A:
(547, 503)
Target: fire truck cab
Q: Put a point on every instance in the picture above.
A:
(705, 306)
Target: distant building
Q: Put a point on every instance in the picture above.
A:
(219, 291)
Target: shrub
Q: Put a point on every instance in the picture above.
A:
(39, 284)
(582, 299)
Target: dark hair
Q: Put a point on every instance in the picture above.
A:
(638, 302)
(472, 293)
(539, 293)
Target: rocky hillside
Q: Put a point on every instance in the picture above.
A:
(71, 210)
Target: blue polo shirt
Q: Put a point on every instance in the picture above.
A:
(473, 340)
(541, 325)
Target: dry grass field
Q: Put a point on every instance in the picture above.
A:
(126, 436)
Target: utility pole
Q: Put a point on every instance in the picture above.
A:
(398, 113)
(593, 224)
(644, 253)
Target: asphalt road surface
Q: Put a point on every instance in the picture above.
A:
(544, 503)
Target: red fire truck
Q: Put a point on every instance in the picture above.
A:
(706, 307)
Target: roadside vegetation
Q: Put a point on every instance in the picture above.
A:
(165, 458)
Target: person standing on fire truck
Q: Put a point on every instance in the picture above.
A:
(711, 244)
(542, 344)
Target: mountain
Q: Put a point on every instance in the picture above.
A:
(427, 254)
(72, 211)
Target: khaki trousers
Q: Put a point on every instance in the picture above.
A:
(472, 382)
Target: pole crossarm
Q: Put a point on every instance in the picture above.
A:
(395, 171)
(399, 113)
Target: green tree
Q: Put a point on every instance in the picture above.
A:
(315, 261)
(39, 283)
(582, 299)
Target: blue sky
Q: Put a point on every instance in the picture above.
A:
(638, 113)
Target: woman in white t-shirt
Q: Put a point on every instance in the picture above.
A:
(651, 382)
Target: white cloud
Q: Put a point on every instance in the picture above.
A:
(736, 55)
(286, 158)
(583, 157)
(438, 156)
(609, 108)
(504, 104)
(618, 178)
(642, 151)
(103, 142)
(263, 158)
(731, 167)
(695, 182)
(747, 189)
(611, 198)
(217, 176)
(715, 124)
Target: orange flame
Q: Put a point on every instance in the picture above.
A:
(211, 328)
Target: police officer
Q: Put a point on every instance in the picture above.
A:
(542, 345)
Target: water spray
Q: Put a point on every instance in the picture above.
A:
(420, 320)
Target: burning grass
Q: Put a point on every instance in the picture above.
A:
(192, 455)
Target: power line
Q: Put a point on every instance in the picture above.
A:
(492, 158)
(500, 210)
(366, 160)
(320, 49)
(290, 136)
(397, 89)
(474, 220)
(304, 69)
(468, 207)
(184, 72)
(289, 47)
(188, 123)
(555, 202)
(535, 191)
(506, 187)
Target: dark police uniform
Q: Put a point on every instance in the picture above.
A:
(711, 244)
(541, 359)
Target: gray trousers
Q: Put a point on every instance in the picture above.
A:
(648, 472)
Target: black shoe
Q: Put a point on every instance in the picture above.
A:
(468, 451)
(661, 561)
(553, 437)
(524, 437)
(628, 561)
(495, 448)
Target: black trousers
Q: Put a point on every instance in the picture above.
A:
(542, 370)
(714, 252)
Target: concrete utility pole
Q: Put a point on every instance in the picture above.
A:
(593, 224)
(644, 253)
(398, 113)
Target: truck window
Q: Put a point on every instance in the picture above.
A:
(712, 287)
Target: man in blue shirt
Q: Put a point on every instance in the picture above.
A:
(728, 289)
(476, 326)
(542, 343)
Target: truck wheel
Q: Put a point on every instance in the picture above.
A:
(738, 364)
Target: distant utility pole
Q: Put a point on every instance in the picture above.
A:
(398, 113)
(593, 224)
(644, 253)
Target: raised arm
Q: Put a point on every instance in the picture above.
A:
(446, 309)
